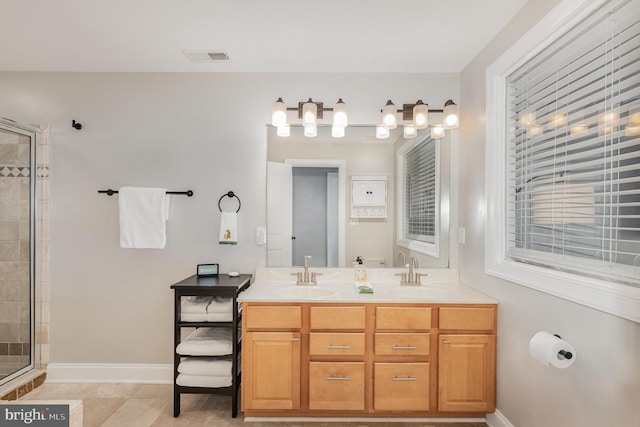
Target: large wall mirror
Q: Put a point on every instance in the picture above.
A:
(309, 199)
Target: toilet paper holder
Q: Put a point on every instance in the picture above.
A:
(563, 354)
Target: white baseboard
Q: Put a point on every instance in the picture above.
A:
(496, 419)
(109, 373)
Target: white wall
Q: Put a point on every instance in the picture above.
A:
(602, 388)
(199, 131)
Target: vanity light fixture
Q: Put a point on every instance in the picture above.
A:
(416, 116)
(309, 112)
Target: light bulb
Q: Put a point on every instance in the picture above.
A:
(340, 115)
(437, 132)
(389, 119)
(382, 132)
(337, 131)
(309, 113)
(421, 115)
(279, 113)
(451, 120)
(410, 131)
(284, 130)
(310, 131)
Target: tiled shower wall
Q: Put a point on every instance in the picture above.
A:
(15, 292)
(15, 339)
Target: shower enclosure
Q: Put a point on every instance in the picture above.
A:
(17, 249)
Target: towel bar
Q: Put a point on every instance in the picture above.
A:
(111, 192)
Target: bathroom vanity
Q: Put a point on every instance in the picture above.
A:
(404, 351)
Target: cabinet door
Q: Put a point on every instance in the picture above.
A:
(466, 373)
(369, 193)
(271, 370)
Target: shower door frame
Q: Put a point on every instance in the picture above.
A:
(32, 133)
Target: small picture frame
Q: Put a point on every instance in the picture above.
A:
(208, 269)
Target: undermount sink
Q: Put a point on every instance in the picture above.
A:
(303, 292)
(420, 292)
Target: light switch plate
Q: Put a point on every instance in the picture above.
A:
(261, 236)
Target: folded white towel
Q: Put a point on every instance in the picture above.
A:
(228, 228)
(143, 214)
(220, 305)
(219, 317)
(194, 317)
(195, 304)
(205, 366)
(207, 342)
(203, 381)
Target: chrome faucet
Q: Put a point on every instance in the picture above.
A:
(413, 277)
(306, 278)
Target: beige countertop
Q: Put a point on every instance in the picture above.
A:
(336, 285)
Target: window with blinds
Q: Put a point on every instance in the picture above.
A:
(573, 150)
(420, 192)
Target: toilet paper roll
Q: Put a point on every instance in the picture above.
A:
(548, 349)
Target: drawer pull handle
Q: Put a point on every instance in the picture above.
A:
(404, 347)
(338, 378)
(295, 339)
(404, 379)
(338, 347)
(446, 342)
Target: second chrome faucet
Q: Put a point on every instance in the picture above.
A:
(305, 277)
(412, 278)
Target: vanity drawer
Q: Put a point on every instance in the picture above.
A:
(401, 387)
(336, 386)
(467, 318)
(330, 344)
(402, 344)
(410, 318)
(337, 318)
(273, 316)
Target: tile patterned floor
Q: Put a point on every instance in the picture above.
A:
(146, 405)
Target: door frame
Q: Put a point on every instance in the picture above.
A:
(341, 165)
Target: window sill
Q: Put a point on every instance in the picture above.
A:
(430, 249)
(609, 297)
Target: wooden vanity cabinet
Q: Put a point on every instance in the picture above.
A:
(333, 359)
(271, 357)
(336, 358)
(466, 357)
(402, 359)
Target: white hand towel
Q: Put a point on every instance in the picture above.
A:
(205, 366)
(143, 217)
(228, 228)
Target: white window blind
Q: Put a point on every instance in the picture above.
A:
(573, 150)
(420, 191)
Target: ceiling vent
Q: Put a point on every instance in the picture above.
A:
(199, 56)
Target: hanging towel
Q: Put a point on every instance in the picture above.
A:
(228, 228)
(143, 217)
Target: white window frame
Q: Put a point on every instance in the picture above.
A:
(431, 249)
(614, 298)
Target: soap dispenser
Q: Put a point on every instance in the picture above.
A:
(360, 272)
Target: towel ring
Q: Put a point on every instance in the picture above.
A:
(230, 194)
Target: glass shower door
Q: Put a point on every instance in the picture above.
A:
(17, 219)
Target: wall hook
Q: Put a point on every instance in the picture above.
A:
(76, 125)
